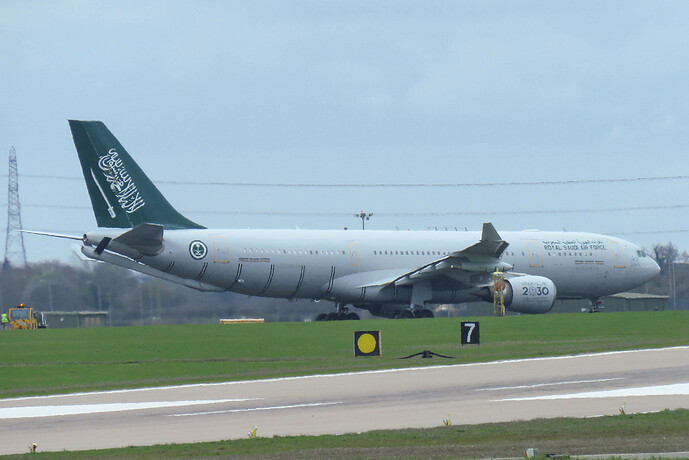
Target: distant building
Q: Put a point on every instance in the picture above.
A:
(624, 301)
(633, 301)
(65, 319)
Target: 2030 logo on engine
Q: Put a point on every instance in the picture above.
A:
(535, 290)
(198, 249)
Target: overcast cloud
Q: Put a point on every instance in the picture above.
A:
(357, 93)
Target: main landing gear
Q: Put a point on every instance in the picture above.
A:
(342, 313)
(415, 313)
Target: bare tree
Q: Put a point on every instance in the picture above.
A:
(665, 254)
(683, 257)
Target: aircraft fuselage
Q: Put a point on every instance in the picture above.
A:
(340, 265)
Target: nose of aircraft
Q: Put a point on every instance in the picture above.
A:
(651, 268)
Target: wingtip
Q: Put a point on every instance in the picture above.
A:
(490, 233)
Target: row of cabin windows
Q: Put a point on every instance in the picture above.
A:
(580, 254)
(439, 253)
(390, 253)
(294, 251)
(421, 253)
(410, 253)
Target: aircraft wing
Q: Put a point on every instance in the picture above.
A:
(481, 257)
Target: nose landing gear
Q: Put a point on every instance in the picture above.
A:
(596, 306)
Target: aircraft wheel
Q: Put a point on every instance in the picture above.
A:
(352, 316)
(425, 313)
(321, 316)
(404, 314)
(334, 316)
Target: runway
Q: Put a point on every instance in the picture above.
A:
(578, 386)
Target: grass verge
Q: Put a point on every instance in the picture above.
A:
(67, 360)
(663, 431)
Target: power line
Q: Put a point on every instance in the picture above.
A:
(398, 214)
(392, 185)
(650, 232)
(535, 211)
(642, 232)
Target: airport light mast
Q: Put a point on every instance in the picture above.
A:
(364, 217)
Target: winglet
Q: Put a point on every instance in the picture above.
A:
(489, 233)
(491, 245)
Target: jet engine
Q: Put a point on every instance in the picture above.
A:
(528, 294)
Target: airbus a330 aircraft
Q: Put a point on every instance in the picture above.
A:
(389, 273)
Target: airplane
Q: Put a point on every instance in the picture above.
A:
(393, 274)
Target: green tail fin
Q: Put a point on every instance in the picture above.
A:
(121, 194)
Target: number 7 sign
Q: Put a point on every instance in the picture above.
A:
(470, 333)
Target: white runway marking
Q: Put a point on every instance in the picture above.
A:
(325, 376)
(80, 409)
(677, 389)
(252, 409)
(537, 385)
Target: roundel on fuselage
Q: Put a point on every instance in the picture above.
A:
(198, 249)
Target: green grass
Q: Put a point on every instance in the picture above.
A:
(658, 432)
(66, 360)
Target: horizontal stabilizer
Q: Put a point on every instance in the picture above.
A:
(145, 238)
(54, 235)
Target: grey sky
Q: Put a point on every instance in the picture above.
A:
(356, 92)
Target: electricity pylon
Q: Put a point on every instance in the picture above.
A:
(15, 254)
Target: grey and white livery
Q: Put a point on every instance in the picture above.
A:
(389, 273)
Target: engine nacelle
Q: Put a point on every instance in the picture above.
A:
(529, 294)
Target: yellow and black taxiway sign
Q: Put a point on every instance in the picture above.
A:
(367, 343)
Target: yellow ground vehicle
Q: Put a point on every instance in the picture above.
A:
(22, 317)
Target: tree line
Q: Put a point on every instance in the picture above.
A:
(131, 298)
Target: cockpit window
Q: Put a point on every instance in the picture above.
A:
(640, 253)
